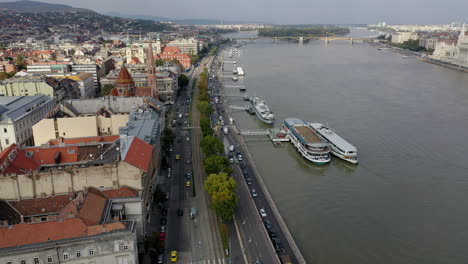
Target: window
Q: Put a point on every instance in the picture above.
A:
(50, 259)
(78, 254)
(36, 260)
(91, 252)
(43, 219)
(23, 261)
(5, 130)
(125, 247)
(7, 141)
(65, 256)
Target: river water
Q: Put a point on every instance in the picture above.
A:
(407, 200)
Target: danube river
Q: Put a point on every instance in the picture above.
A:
(407, 200)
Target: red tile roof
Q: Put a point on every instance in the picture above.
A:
(19, 164)
(124, 77)
(139, 154)
(170, 50)
(93, 206)
(122, 192)
(21, 234)
(40, 206)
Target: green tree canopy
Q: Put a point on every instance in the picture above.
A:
(205, 126)
(106, 89)
(183, 80)
(216, 164)
(221, 189)
(159, 62)
(168, 136)
(211, 145)
(205, 108)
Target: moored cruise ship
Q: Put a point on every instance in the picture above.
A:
(339, 147)
(307, 141)
(262, 110)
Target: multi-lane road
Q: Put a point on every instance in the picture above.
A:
(197, 239)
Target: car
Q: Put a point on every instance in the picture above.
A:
(162, 236)
(180, 212)
(162, 229)
(170, 149)
(187, 139)
(163, 221)
(177, 157)
(248, 181)
(254, 193)
(169, 169)
(230, 156)
(268, 224)
(263, 212)
(272, 234)
(240, 158)
(242, 165)
(169, 174)
(160, 259)
(231, 160)
(163, 211)
(277, 244)
(246, 174)
(188, 175)
(188, 184)
(173, 256)
(189, 161)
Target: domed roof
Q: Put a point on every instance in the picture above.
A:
(124, 77)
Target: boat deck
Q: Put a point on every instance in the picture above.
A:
(307, 134)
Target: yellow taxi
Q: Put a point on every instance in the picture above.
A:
(188, 184)
(177, 157)
(173, 256)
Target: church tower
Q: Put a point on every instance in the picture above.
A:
(151, 71)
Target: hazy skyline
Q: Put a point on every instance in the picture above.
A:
(289, 12)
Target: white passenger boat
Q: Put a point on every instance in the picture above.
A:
(262, 110)
(306, 140)
(339, 147)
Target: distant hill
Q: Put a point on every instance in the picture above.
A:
(39, 7)
(193, 21)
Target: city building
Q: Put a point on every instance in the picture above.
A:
(87, 118)
(42, 68)
(18, 115)
(91, 68)
(187, 46)
(173, 53)
(84, 228)
(137, 50)
(59, 89)
(401, 37)
(461, 53)
(7, 66)
(85, 82)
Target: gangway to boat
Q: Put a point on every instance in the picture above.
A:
(241, 87)
(236, 107)
(229, 62)
(254, 133)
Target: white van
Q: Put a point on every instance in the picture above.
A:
(231, 148)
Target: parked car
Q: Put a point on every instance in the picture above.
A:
(248, 181)
(246, 174)
(163, 211)
(254, 193)
(188, 175)
(231, 160)
(161, 259)
(188, 184)
(277, 244)
(242, 165)
(163, 221)
(162, 236)
(272, 234)
(263, 212)
(162, 229)
(268, 224)
(180, 212)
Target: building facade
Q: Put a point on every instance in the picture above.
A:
(18, 115)
(187, 46)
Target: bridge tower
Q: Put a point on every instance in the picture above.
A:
(327, 41)
(275, 39)
(301, 40)
(351, 41)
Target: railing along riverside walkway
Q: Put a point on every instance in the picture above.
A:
(301, 39)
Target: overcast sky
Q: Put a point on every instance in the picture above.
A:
(289, 11)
